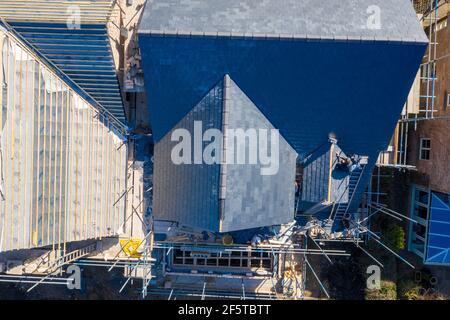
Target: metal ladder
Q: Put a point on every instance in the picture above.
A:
(354, 180)
(70, 257)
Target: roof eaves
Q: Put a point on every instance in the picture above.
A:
(276, 36)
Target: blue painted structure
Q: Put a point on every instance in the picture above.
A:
(438, 242)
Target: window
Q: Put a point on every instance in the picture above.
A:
(422, 196)
(420, 213)
(448, 100)
(425, 149)
(233, 259)
(420, 230)
(442, 25)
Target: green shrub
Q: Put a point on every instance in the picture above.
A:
(409, 290)
(387, 291)
(396, 237)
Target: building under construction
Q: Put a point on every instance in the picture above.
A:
(419, 148)
(94, 92)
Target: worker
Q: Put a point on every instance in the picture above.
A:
(343, 162)
(354, 163)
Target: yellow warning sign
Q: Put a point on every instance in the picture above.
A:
(131, 247)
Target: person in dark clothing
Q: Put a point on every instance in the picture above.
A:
(343, 163)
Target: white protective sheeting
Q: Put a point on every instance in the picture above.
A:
(63, 167)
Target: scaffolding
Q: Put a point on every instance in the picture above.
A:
(289, 258)
(375, 206)
(62, 165)
(428, 74)
(280, 264)
(431, 13)
(50, 137)
(421, 103)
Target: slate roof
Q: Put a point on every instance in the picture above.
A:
(252, 199)
(189, 194)
(307, 89)
(335, 19)
(192, 194)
